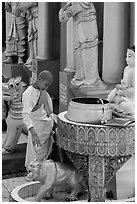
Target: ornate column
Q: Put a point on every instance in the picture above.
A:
(8, 19)
(45, 30)
(67, 74)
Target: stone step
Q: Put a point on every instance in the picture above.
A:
(14, 163)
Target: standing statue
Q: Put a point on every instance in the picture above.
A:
(31, 9)
(85, 42)
(23, 13)
(15, 44)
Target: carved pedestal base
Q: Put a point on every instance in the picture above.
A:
(98, 151)
(97, 172)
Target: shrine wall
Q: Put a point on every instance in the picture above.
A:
(116, 40)
(116, 32)
(132, 23)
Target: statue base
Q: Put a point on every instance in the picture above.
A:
(93, 91)
(65, 92)
(13, 70)
(68, 91)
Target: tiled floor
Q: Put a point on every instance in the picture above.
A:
(9, 184)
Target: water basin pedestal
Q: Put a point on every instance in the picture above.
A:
(98, 151)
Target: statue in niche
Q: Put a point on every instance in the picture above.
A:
(31, 10)
(25, 15)
(15, 44)
(85, 42)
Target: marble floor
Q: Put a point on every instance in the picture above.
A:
(9, 184)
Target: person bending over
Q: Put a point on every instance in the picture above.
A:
(39, 118)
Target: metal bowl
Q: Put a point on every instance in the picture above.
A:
(89, 110)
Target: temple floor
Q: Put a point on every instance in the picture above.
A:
(18, 176)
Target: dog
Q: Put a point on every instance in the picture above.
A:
(50, 173)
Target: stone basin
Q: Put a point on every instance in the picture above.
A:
(89, 110)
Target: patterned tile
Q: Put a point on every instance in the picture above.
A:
(5, 194)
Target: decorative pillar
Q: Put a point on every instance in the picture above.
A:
(45, 40)
(70, 47)
(115, 40)
(68, 73)
(8, 21)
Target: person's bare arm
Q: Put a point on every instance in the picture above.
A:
(35, 137)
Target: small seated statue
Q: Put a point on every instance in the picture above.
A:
(51, 173)
(122, 97)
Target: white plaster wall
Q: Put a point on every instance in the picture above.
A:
(44, 30)
(126, 180)
(115, 40)
(132, 23)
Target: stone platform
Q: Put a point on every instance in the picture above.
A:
(14, 163)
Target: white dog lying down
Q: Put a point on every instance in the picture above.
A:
(51, 173)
